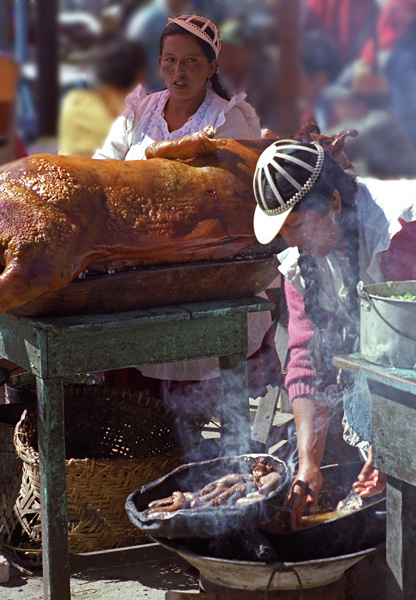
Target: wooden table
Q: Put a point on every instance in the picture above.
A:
(393, 414)
(54, 348)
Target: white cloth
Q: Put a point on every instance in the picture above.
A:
(380, 205)
(143, 123)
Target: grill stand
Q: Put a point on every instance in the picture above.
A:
(59, 347)
(343, 589)
(333, 591)
(393, 412)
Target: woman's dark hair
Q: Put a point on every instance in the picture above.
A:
(118, 62)
(331, 178)
(174, 29)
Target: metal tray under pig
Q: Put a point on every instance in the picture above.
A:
(156, 285)
(205, 522)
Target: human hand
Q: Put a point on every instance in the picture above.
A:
(371, 481)
(303, 496)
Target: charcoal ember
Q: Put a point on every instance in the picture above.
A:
(250, 544)
(257, 547)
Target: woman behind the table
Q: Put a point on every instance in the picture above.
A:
(339, 230)
(189, 47)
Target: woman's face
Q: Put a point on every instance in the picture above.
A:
(314, 233)
(185, 68)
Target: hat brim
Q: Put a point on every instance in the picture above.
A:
(267, 227)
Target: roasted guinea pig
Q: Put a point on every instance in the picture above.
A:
(60, 215)
(233, 488)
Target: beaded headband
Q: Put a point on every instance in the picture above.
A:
(197, 24)
(267, 161)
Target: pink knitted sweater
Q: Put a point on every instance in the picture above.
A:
(397, 263)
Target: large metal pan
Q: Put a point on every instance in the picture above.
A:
(350, 533)
(258, 576)
(203, 523)
(156, 285)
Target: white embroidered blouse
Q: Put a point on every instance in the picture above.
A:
(142, 123)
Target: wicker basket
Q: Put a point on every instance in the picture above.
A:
(130, 438)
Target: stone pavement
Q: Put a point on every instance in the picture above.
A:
(157, 570)
(144, 581)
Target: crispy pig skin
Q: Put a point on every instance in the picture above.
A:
(60, 215)
(192, 201)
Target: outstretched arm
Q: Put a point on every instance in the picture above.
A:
(310, 411)
(311, 419)
(116, 144)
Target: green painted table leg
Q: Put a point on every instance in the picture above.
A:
(51, 440)
(401, 540)
(58, 347)
(235, 403)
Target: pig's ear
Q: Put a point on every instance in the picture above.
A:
(306, 133)
(334, 144)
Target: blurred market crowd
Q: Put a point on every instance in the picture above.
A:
(357, 70)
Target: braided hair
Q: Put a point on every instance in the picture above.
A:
(174, 29)
(331, 178)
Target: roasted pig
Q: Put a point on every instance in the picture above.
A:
(60, 215)
(192, 200)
